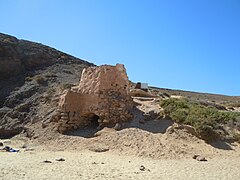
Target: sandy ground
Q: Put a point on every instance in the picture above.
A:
(92, 165)
(81, 163)
(164, 154)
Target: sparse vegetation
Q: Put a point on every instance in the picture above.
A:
(49, 95)
(67, 72)
(163, 95)
(28, 78)
(166, 94)
(50, 75)
(237, 104)
(205, 119)
(67, 86)
(39, 79)
(236, 137)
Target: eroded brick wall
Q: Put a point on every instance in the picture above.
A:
(103, 91)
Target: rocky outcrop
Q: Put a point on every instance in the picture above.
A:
(140, 93)
(102, 97)
(18, 56)
(31, 74)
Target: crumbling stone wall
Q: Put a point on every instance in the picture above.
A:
(103, 93)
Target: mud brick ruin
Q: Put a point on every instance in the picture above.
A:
(102, 98)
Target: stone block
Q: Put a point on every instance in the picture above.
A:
(106, 121)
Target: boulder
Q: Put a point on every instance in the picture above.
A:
(117, 126)
(140, 93)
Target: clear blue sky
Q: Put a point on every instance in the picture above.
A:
(181, 44)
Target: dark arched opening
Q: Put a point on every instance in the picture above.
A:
(93, 120)
(90, 128)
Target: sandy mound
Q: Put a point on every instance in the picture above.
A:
(142, 137)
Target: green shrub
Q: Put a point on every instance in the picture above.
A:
(179, 115)
(205, 119)
(170, 105)
(199, 115)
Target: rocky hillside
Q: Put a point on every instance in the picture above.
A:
(33, 76)
(31, 73)
(202, 97)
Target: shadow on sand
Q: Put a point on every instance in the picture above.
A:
(152, 125)
(87, 132)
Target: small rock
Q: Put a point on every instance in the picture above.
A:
(99, 149)
(24, 146)
(142, 168)
(201, 158)
(105, 121)
(43, 124)
(162, 154)
(195, 156)
(170, 130)
(35, 136)
(117, 126)
(100, 120)
(46, 161)
(60, 159)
